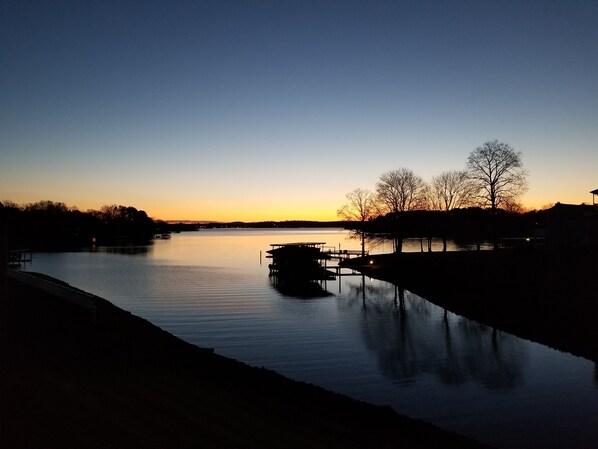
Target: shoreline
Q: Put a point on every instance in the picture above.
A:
(73, 379)
(549, 297)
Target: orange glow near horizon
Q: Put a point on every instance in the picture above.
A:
(206, 211)
(249, 214)
(246, 212)
(264, 210)
(211, 116)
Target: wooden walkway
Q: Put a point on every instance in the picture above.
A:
(338, 271)
(335, 253)
(310, 256)
(19, 256)
(345, 254)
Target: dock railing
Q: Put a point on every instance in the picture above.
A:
(336, 253)
(18, 256)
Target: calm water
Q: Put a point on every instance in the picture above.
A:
(360, 337)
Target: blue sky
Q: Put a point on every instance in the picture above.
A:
(224, 110)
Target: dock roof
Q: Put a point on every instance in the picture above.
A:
(298, 244)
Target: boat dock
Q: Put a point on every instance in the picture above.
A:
(309, 259)
(342, 271)
(344, 254)
(19, 256)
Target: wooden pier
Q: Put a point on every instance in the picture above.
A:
(19, 256)
(338, 271)
(335, 253)
(309, 260)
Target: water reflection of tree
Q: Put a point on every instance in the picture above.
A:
(412, 337)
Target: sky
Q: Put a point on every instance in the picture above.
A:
(274, 110)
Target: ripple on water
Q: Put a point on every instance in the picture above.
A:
(366, 339)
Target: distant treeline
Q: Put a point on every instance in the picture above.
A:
(48, 225)
(53, 225)
(468, 225)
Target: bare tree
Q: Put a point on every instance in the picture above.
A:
(514, 207)
(451, 190)
(360, 208)
(498, 174)
(400, 191)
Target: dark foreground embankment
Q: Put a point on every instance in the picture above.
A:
(124, 383)
(548, 297)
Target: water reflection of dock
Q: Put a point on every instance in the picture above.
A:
(344, 254)
(343, 271)
(301, 270)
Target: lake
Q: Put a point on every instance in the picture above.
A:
(354, 335)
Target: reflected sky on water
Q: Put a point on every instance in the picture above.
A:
(355, 335)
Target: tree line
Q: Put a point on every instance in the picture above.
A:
(489, 186)
(54, 225)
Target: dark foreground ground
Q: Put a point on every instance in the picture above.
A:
(546, 296)
(124, 383)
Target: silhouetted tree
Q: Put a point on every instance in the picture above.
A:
(54, 225)
(400, 191)
(125, 223)
(361, 208)
(47, 208)
(47, 224)
(450, 190)
(514, 207)
(498, 174)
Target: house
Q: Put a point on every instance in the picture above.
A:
(571, 226)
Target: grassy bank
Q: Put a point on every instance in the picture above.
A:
(548, 297)
(120, 381)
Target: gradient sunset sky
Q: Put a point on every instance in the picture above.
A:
(255, 110)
